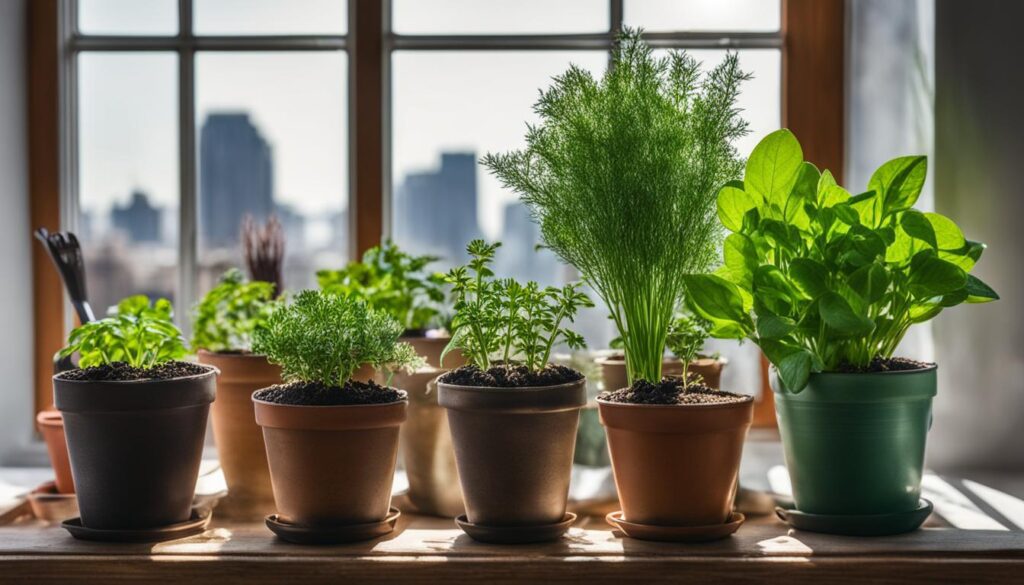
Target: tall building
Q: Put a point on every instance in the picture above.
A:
(138, 219)
(436, 210)
(236, 177)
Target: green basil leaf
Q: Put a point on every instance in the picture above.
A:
(840, 317)
(948, 236)
(846, 214)
(718, 300)
(733, 204)
(774, 327)
(917, 226)
(900, 181)
(978, 291)
(795, 370)
(931, 276)
(870, 282)
(773, 167)
(810, 276)
(741, 259)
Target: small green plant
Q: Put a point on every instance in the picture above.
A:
(391, 280)
(621, 174)
(325, 338)
(686, 337)
(227, 316)
(505, 320)
(821, 279)
(137, 333)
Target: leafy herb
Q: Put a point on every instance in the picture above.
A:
(686, 337)
(621, 175)
(391, 280)
(504, 319)
(821, 279)
(227, 316)
(140, 334)
(325, 338)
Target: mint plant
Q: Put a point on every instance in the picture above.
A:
(227, 316)
(820, 278)
(621, 174)
(391, 280)
(502, 319)
(324, 338)
(141, 334)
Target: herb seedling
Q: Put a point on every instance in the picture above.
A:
(819, 278)
(325, 338)
(686, 337)
(621, 174)
(137, 333)
(391, 280)
(505, 320)
(227, 316)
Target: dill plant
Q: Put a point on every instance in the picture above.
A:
(621, 174)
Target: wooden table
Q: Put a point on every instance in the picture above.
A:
(432, 550)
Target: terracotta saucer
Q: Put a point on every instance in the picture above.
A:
(516, 534)
(676, 533)
(298, 534)
(197, 523)
(851, 525)
(50, 505)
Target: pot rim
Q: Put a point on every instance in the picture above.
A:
(337, 417)
(231, 354)
(50, 417)
(747, 398)
(928, 368)
(210, 371)
(255, 400)
(515, 399)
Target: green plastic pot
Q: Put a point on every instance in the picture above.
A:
(854, 443)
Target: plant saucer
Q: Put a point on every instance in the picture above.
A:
(675, 533)
(858, 525)
(50, 505)
(300, 534)
(516, 534)
(197, 523)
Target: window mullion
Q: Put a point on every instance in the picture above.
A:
(187, 204)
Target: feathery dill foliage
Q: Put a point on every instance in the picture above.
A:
(622, 174)
(227, 315)
(325, 338)
(504, 319)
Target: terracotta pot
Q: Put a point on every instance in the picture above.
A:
(243, 458)
(613, 370)
(51, 427)
(135, 447)
(331, 465)
(710, 369)
(426, 447)
(431, 349)
(676, 465)
(514, 450)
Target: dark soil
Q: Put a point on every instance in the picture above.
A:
(670, 391)
(512, 376)
(895, 364)
(317, 394)
(122, 372)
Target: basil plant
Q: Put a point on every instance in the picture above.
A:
(819, 278)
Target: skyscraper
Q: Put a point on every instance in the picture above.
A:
(236, 177)
(436, 210)
(138, 219)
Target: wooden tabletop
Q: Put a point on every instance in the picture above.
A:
(433, 550)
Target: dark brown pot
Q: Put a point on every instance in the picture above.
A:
(135, 447)
(676, 465)
(243, 458)
(614, 376)
(710, 369)
(331, 465)
(51, 427)
(514, 450)
(432, 347)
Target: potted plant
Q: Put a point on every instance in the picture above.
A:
(621, 175)
(222, 333)
(332, 441)
(398, 283)
(827, 284)
(513, 415)
(135, 419)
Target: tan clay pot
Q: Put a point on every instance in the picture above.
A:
(51, 426)
(514, 450)
(613, 370)
(676, 465)
(426, 447)
(331, 465)
(432, 347)
(243, 458)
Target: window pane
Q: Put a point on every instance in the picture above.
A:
(449, 110)
(272, 138)
(703, 15)
(128, 17)
(499, 16)
(128, 175)
(270, 17)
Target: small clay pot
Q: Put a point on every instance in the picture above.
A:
(676, 465)
(710, 369)
(514, 450)
(614, 376)
(135, 447)
(431, 349)
(243, 458)
(426, 447)
(331, 465)
(51, 427)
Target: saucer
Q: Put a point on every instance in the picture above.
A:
(516, 534)
(676, 533)
(299, 534)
